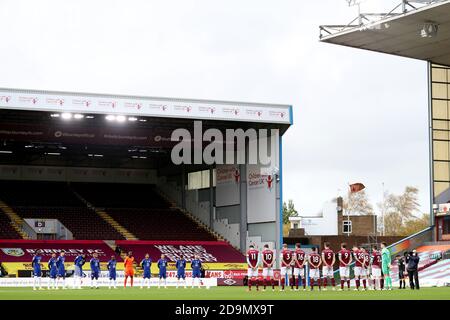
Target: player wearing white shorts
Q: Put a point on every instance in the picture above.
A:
(345, 259)
(299, 266)
(253, 263)
(314, 261)
(366, 265)
(268, 260)
(286, 257)
(359, 269)
(328, 261)
(376, 268)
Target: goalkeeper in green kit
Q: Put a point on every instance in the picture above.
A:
(386, 265)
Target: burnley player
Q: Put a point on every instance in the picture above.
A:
(253, 263)
(299, 267)
(386, 265)
(162, 265)
(365, 268)
(376, 268)
(112, 274)
(146, 265)
(37, 270)
(315, 261)
(358, 255)
(286, 257)
(196, 266)
(61, 276)
(345, 259)
(95, 270)
(78, 274)
(328, 260)
(268, 260)
(53, 272)
(181, 271)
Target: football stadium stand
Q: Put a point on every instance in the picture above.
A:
(100, 211)
(7, 231)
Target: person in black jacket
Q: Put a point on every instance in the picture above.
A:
(401, 271)
(412, 260)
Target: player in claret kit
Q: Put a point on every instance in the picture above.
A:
(112, 272)
(53, 272)
(61, 270)
(328, 260)
(95, 270)
(286, 257)
(181, 271)
(268, 260)
(146, 265)
(365, 268)
(196, 265)
(299, 267)
(37, 270)
(129, 269)
(376, 268)
(162, 265)
(253, 263)
(358, 256)
(345, 259)
(315, 261)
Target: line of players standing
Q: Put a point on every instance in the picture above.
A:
(57, 271)
(368, 266)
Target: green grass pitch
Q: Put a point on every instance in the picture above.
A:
(218, 293)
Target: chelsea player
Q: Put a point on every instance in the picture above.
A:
(61, 276)
(95, 270)
(181, 274)
(162, 265)
(53, 272)
(146, 265)
(37, 271)
(112, 272)
(78, 274)
(196, 266)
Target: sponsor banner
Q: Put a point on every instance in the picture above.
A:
(142, 106)
(230, 282)
(102, 282)
(261, 195)
(215, 255)
(208, 251)
(228, 179)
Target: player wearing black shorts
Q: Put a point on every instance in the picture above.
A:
(401, 271)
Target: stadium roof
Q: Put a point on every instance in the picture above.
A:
(400, 34)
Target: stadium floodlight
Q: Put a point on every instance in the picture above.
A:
(6, 151)
(132, 119)
(89, 117)
(53, 153)
(98, 155)
(66, 116)
(121, 118)
(110, 117)
(55, 115)
(429, 30)
(78, 116)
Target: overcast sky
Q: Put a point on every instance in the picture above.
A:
(358, 116)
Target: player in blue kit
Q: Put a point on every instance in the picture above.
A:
(95, 270)
(146, 265)
(37, 270)
(53, 272)
(181, 274)
(61, 276)
(112, 272)
(78, 274)
(162, 265)
(196, 266)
